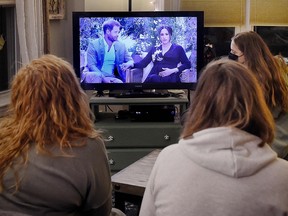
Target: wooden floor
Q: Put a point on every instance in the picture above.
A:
(129, 184)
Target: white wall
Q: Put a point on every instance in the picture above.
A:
(119, 5)
(143, 5)
(61, 41)
(106, 5)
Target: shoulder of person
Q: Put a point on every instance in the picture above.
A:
(89, 146)
(92, 152)
(177, 46)
(119, 44)
(100, 41)
(95, 143)
(96, 41)
(168, 151)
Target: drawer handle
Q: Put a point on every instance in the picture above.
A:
(167, 137)
(111, 162)
(109, 139)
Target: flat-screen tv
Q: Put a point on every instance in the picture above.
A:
(141, 37)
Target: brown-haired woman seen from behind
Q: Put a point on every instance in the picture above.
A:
(250, 49)
(223, 164)
(52, 160)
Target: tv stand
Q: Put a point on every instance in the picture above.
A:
(139, 94)
(128, 140)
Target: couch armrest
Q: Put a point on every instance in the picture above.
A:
(134, 75)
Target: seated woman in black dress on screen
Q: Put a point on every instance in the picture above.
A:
(169, 59)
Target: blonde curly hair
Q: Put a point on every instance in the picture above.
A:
(48, 107)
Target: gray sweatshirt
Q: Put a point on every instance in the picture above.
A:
(280, 143)
(217, 172)
(62, 185)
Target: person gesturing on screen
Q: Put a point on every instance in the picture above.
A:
(169, 59)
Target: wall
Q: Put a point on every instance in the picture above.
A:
(119, 5)
(219, 14)
(109, 5)
(61, 42)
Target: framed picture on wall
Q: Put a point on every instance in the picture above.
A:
(56, 9)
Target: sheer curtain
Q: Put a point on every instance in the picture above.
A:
(29, 14)
(167, 5)
(174, 5)
(159, 5)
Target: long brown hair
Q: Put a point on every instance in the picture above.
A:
(228, 94)
(265, 67)
(48, 107)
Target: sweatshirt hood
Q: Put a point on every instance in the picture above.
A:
(228, 150)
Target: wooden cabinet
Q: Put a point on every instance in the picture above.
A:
(128, 141)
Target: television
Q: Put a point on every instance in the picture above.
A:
(139, 32)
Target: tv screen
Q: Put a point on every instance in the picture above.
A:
(138, 50)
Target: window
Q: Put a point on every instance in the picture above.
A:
(217, 42)
(276, 38)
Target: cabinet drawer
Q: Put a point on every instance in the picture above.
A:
(121, 158)
(147, 136)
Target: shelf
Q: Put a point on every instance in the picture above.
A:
(133, 101)
(126, 139)
(104, 118)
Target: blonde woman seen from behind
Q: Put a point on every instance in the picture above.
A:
(52, 160)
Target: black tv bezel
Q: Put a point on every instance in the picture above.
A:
(137, 86)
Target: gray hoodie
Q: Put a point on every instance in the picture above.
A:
(220, 172)
(280, 143)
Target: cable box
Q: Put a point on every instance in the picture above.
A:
(162, 113)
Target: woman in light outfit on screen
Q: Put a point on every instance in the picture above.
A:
(223, 164)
